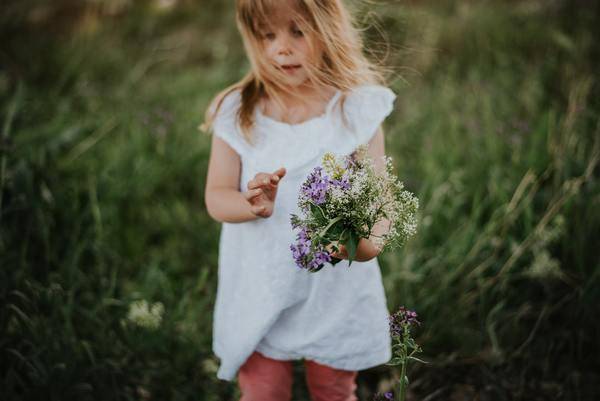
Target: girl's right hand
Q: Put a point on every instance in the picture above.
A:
(262, 190)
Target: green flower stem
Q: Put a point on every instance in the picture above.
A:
(402, 391)
(402, 383)
(332, 222)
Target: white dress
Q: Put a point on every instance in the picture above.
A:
(337, 316)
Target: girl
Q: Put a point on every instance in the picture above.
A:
(309, 90)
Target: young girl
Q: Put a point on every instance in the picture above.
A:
(309, 91)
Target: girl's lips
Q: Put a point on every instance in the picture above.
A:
(290, 67)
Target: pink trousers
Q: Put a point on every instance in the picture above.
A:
(264, 379)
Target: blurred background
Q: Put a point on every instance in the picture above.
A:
(109, 260)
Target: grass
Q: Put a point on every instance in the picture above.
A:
(496, 130)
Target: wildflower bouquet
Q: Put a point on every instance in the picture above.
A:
(342, 201)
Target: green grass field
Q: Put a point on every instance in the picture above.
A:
(102, 169)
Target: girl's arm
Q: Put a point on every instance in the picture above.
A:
(377, 152)
(366, 249)
(224, 201)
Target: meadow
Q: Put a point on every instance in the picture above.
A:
(496, 129)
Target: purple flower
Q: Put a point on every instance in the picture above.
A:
(319, 259)
(343, 182)
(304, 252)
(383, 397)
(303, 234)
(315, 187)
(349, 163)
(400, 319)
(302, 247)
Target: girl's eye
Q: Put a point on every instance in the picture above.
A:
(297, 32)
(269, 36)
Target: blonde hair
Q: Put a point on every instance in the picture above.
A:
(327, 26)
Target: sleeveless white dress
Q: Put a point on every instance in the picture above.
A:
(338, 316)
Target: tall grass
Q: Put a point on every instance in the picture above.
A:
(500, 136)
(102, 171)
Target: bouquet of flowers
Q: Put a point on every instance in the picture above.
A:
(342, 201)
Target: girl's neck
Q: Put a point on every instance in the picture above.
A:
(306, 103)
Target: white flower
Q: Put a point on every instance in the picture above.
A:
(142, 315)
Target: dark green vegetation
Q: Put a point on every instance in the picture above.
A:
(102, 171)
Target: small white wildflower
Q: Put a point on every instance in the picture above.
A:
(210, 366)
(544, 266)
(143, 315)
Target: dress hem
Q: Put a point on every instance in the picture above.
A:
(377, 357)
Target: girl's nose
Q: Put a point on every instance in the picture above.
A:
(284, 51)
(283, 47)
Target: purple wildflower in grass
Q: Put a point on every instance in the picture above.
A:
(404, 346)
(384, 396)
(401, 318)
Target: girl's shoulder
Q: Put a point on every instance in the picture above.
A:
(369, 99)
(365, 107)
(226, 104)
(224, 110)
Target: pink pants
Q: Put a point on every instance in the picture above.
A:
(264, 379)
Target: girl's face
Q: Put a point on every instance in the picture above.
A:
(286, 48)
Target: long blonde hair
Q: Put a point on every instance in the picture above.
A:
(326, 24)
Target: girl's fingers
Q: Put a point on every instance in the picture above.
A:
(260, 180)
(252, 193)
(257, 210)
(277, 176)
(280, 172)
(252, 184)
(264, 180)
(274, 179)
(342, 254)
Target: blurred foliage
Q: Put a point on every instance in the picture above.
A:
(102, 171)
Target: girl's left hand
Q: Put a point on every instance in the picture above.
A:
(364, 252)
